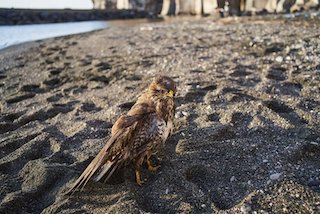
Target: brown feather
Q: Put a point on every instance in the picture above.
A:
(95, 164)
(134, 135)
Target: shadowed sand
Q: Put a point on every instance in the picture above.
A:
(247, 123)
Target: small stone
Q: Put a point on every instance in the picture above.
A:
(279, 59)
(167, 191)
(178, 114)
(233, 178)
(265, 161)
(203, 205)
(95, 62)
(245, 209)
(185, 113)
(260, 191)
(275, 176)
(147, 28)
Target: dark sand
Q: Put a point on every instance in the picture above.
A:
(247, 124)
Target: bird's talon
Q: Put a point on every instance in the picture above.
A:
(138, 178)
(140, 183)
(152, 168)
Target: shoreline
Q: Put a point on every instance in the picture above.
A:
(312, 16)
(55, 30)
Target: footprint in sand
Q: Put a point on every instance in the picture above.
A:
(54, 70)
(55, 98)
(276, 73)
(41, 115)
(12, 116)
(285, 88)
(214, 117)
(12, 144)
(285, 111)
(32, 88)
(241, 71)
(90, 107)
(198, 91)
(16, 99)
(52, 83)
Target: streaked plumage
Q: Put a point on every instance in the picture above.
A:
(136, 135)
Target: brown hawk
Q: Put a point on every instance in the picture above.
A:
(136, 135)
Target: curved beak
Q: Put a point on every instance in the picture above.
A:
(170, 93)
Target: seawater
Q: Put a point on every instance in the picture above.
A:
(16, 34)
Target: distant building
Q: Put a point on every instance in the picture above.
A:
(99, 4)
(198, 7)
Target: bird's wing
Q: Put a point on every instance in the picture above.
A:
(136, 113)
(113, 154)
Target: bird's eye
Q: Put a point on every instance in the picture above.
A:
(161, 91)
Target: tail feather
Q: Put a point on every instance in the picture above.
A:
(104, 170)
(111, 172)
(101, 160)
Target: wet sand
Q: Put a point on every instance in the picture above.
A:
(247, 123)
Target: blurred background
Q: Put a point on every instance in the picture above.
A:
(150, 7)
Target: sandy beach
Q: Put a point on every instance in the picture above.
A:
(247, 128)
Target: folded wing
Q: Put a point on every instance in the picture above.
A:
(116, 151)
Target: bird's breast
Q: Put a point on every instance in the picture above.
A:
(166, 129)
(169, 129)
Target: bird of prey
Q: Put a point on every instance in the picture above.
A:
(136, 135)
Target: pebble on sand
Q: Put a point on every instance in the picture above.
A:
(275, 176)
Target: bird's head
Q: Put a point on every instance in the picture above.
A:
(163, 86)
